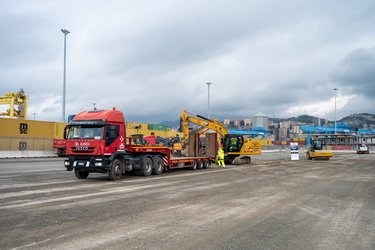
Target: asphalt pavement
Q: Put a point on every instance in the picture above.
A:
(273, 203)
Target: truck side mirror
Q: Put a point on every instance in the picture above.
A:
(65, 132)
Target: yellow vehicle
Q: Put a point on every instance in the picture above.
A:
(15, 99)
(315, 152)
(237, 150)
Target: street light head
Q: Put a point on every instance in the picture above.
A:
(65, 31)
(208, 84)
(335, 89)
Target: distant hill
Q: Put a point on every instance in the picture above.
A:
(359, 120)
(354, 119)
(171, 124)
(301, 118)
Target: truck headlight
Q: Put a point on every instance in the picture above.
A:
(67, 163)
(98, 164)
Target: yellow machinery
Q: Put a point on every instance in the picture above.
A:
(315, 152)
(15, 99)
(237, 150)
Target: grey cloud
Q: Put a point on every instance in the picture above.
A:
(357, 71)
(152, 60)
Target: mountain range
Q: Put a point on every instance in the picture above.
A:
(358, 120)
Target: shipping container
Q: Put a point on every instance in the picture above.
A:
(31, 128)
(300, 142)
(157, 127)
(281, 143)
(341, 147)
(298, 139)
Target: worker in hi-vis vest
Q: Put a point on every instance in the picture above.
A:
(220, 158)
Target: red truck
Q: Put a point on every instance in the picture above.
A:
(59, 144)
(96, 142)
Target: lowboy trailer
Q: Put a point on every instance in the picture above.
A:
(96, 142)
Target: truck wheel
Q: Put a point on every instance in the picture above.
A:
(206, 164)
(199, 164)
(158, 166)
(193, 165)
(116, 171)
(146, 167)
(81, 174)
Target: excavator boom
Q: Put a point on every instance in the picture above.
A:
(187, 117)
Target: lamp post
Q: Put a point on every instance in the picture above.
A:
(335, 89)
(208, 114)
(64, 81)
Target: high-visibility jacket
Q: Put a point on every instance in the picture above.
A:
(220, 154)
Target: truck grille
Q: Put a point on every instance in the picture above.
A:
(86, 150)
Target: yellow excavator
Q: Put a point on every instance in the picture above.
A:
(315, 152)
(237, 149)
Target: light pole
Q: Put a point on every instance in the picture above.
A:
(208, 85)
(64, 81)
(335, 89)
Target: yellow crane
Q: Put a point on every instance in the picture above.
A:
(237, 149)
(15, 99)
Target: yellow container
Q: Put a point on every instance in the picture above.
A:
(31, 128)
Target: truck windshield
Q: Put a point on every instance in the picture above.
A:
(85, 132)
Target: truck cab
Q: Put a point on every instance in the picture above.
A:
(363, 149)
(93, 138)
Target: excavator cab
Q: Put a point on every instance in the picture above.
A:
(233, 143)
(236, 149)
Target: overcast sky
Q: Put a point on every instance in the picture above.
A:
(152, 59)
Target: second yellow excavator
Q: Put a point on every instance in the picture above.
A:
(237, 149)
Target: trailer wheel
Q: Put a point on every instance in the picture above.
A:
(199, 164)
(146, 167)
(206, 164)
(158, 166)
(116, 171)
(81, 174)
(193, 165)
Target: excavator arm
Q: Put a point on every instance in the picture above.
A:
(189, 117)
